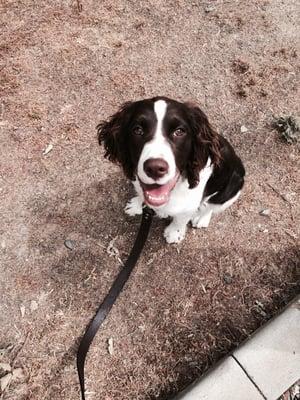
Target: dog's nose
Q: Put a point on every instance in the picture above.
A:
(156, 168)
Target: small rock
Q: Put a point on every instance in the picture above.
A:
(244, 129)
(34, 306)
(47, 149)
(261, 228)
(5, 381)
(265, 212)
(227, 278)
(70, 244)
(209, 9)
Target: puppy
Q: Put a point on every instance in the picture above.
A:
(179, 166)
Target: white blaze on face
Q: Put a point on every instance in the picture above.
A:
(158, 147)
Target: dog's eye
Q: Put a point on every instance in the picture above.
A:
(138, 130)
(179, 132)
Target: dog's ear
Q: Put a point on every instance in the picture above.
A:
(205, 144)
(112, 134)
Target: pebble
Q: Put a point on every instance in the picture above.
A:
(244, 129)
(70, 244)
(227, 278)
(209, 9)
(265, 212)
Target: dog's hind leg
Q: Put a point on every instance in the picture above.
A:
(202, 220)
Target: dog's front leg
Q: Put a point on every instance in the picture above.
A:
(134, 206)
(175, 232)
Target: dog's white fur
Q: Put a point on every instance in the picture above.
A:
(184, 204)
(158, 147)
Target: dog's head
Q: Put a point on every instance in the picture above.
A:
(157, 141)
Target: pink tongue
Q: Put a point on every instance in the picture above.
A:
(160, 191)
(158, 196)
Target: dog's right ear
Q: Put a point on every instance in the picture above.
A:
(111, 134)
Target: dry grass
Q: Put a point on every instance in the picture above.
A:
(65, 67)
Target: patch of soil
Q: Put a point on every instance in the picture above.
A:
(64, 67)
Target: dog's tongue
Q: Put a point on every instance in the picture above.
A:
(158, 195)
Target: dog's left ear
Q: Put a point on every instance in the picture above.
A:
(205, 144)
(112, 134)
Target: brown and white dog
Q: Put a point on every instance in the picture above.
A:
(180, 167)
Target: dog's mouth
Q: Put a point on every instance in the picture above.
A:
(158, 195)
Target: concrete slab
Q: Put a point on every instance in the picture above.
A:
(272, 356)
(227, 382)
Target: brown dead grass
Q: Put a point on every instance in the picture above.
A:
(64, 69)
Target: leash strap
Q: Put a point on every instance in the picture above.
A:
(112, 295)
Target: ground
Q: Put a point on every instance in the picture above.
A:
(64, 67)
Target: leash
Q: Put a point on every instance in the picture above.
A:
(112, 295)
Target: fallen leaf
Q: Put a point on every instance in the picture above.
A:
(5, 367)
(265, 212)
(22, 310)
(5, 381)
(110, 346)
(18, 373)
(47, 149)
(34, 306)
(70, 244)
(112, 250)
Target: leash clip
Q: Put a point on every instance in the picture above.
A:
(148, 212)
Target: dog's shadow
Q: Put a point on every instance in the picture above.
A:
(100, 234)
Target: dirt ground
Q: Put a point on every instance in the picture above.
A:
(64, 67)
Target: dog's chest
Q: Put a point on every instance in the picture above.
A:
(184, 200)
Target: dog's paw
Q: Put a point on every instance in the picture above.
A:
(174, 234)
(134, 207)
(201, 221)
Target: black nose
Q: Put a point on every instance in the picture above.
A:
(156, 168)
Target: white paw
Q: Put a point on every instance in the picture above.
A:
(174, 234)
(201, 221)
(134, 207)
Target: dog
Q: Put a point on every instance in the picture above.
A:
(178, 164)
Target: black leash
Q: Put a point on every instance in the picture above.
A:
(112, 295)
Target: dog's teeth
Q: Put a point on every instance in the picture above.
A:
(161, 198)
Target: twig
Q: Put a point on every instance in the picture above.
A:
(277, 192)
(1, 110)
(13, 364)
(19, 350)
(291, 234)
(79, 6)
